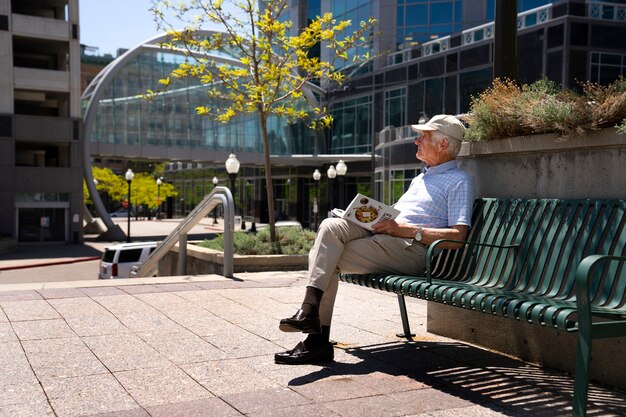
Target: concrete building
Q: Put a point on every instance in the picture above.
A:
(41, 193)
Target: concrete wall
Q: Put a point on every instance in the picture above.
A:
(543, 166)
(207, 261)
(547, 166)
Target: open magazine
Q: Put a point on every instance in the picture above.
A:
(365, 211)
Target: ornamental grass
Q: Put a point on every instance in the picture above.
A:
(507, 109)
(291, 241)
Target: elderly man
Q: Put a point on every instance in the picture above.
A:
(437, 205)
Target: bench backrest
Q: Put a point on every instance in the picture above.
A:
(553, 237)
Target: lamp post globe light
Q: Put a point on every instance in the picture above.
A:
(232, 167)
(332, 173)
(129, 178)
(316, 177)
(215, 181)
(341, 169)
(158, 183)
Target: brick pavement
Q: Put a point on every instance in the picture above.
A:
(203, 346)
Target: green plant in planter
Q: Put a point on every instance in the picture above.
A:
(507, 109)
(291, 241)
(621, 128)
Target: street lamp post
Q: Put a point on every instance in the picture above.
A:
(129, 178)
(158, 183)
(215, 181)
(316, 178)
(332, 173)
(341, 169)
(232, 167)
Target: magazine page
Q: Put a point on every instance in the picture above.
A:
(365, 211)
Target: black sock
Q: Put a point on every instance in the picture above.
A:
(311, 303)
(315, 340)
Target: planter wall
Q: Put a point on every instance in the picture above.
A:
(547, 166)
(202, 261)
(543, 166)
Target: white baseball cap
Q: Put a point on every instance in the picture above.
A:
(444, 123)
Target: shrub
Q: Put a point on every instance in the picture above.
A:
(506, 109)
(291, 241)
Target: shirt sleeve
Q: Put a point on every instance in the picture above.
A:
(461, 202)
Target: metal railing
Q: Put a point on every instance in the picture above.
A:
(179, 234)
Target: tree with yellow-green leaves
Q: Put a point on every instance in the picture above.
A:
(144, 190)
(274, 65)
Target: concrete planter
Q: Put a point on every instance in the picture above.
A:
(208, 261)
(548, 166)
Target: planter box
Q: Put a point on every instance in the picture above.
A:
(548, 166)
(201, 261)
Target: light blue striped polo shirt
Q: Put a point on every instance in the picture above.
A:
(440, 196)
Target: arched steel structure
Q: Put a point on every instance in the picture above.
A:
(94, 95)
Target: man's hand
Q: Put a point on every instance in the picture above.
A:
(392, 228)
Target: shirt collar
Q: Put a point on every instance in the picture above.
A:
(438, 169)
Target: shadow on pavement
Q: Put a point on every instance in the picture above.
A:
(491, 380)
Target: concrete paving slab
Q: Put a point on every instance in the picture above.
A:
(158, 386)
(125, 352)
(41, 329)
(6, 333)
(28, 310)
(210, 407)
(61, 358)
(87, 395)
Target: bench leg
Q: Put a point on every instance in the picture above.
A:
(405, 319)
(581, 376)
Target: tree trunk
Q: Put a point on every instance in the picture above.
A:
(268, 176)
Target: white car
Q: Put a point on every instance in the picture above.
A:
(119, 213)
(117, 260)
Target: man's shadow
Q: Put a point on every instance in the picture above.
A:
(505, 384)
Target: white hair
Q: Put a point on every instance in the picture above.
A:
(454, 145)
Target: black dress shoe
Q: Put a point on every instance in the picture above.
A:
(300, 355)
(301, 322)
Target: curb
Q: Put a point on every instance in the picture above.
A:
(49, 263)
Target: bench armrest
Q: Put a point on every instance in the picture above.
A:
(430, 254)
(584, 276)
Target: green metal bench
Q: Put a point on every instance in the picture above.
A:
(555, 263)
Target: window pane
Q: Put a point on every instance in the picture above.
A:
(440, 12)
(416, 15)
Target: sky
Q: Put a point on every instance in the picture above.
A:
(113, 24)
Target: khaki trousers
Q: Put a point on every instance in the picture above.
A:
(343, 246)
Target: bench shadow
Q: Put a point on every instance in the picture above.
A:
(506, 385)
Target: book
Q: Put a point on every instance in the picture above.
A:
(366, 212)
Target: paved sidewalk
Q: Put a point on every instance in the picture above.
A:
(203, 346)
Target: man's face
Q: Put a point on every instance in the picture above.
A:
(427, 148)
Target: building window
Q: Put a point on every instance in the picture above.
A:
(352, 126)
(606, 68)
(423, 21)
(355, 11)
(395, 107)
(399, 182)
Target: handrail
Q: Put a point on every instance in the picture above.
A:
(209, 202)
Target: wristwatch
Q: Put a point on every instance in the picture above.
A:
(418, 234)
